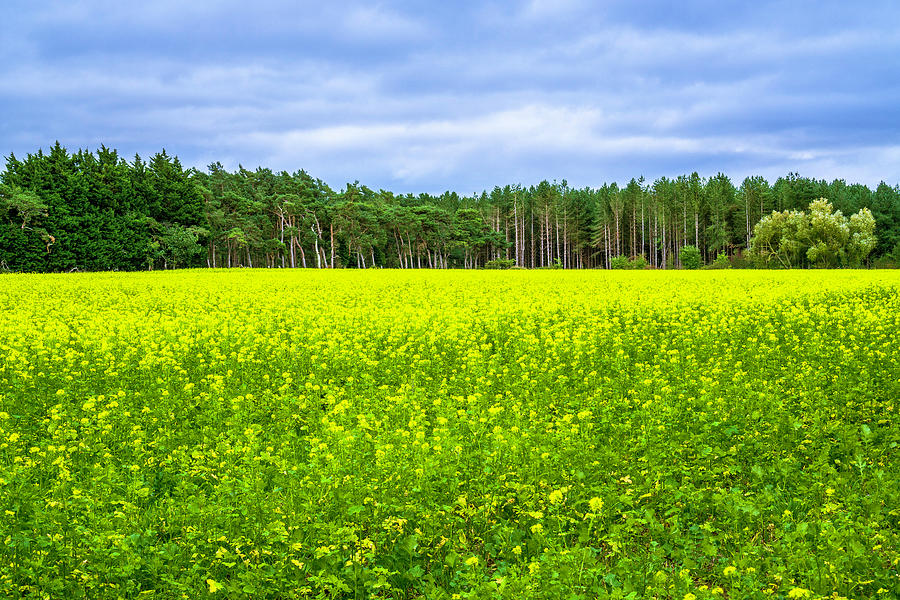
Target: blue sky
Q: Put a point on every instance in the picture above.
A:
(426, 96)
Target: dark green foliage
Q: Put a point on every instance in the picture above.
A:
(500, 263)
(885, 207)
(97, 211)
(885, 262)
(721, 262)
(93, 211)
(619, 262)
(623, 262)
(690, 257)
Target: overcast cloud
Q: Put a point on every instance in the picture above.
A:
(424, 96)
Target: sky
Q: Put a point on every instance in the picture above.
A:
(424, 96)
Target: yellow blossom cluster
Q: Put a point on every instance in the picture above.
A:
(273, 434)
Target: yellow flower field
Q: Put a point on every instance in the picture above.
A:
(448, 434)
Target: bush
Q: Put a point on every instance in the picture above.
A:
(500, 263)
(741, 261)
(690, 257)
(619, 262)
(721, 262)
(623, 262)
(895, 253)
(885, 262)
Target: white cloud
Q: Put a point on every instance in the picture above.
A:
(544, 9)
(511, 88)
(250, 83)
(417, 150)
(630, 47)
(378, 22)
(157, 12)
(864, 164)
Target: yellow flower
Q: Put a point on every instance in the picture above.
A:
(596, 504)
(472, 561)
(729, 571)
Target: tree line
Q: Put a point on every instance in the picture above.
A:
(62, 211)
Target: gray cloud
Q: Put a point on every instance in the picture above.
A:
(413, 97)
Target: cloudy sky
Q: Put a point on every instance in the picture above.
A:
(426, 96)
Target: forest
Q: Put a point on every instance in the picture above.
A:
(96, 211)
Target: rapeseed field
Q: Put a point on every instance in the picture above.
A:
(378, 434)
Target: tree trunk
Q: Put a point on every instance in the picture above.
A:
(696, 229)
(409, 249)
(618, 239)
(664, 246)
(643, 239)
(293, 252)
(543, 249)
(281, 237)
(531, 240)
(607, 242)
(516, 221)
(315, 242)
(747, 210)
(548, 237)
(558, 249)
(633, 230)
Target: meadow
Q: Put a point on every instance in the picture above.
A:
(449, 434)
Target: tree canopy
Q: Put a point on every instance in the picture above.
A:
(62, 211)
(818, 238)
